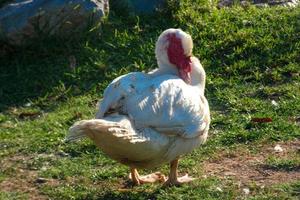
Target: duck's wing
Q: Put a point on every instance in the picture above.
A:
(165, 103)
(170, 106)
(118, 90)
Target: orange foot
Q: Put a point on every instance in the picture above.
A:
(178, 181)
(150, 178)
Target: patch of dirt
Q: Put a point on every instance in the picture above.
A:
(21, 178)
(239, 165)
(247, 168)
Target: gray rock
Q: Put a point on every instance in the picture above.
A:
(28, 18)
(245, 3)
(225, 3)
(261, 5)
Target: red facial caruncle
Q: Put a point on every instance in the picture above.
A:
(178, 58)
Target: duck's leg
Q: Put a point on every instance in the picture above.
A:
(150, 178)
(134, 176)
(173, 177)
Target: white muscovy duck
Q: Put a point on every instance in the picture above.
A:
(145, 120)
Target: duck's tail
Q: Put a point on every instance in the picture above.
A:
(117, 138)
(88, 128)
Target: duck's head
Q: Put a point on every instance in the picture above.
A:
(173, 52)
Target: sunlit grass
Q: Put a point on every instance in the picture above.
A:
(251, 57)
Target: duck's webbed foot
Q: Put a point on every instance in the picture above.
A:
(179, 180)
(173, 179)
(150, 178)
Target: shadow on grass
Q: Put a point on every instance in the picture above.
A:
(129, 195)
(36, 69)
(285, 168)
(49, 70)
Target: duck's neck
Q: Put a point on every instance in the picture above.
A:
(164, 68)
(198, 75)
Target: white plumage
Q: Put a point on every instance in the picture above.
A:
(145, 120)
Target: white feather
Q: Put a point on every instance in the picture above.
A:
(158, 117)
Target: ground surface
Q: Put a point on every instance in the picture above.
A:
(251, 57)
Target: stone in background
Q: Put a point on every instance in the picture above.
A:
(21, 19)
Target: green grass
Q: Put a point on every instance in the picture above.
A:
(251, 57)
(12, 195)
(283, 164)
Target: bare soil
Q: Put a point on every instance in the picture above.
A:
(239, 165)
(21, 178)
(247, 168)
